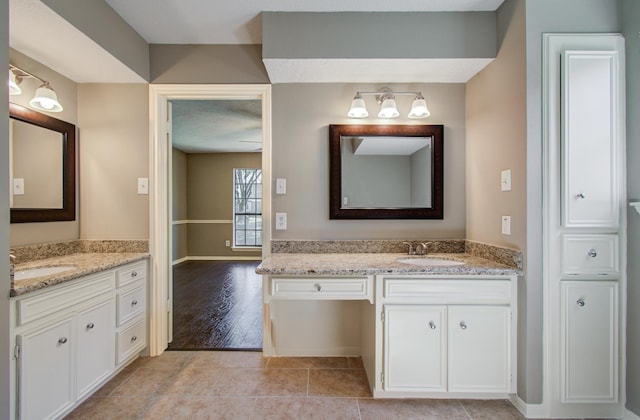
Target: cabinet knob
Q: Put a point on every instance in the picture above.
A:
(90, 326)
(592, 253)
(134, 338)
(463, 325)
(580, 195)
(318, 287)
(580, 302)
(62, 340)
(134, 274)
(134, 302)
(432, 325)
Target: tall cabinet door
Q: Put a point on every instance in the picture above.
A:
(415, 348)
(590, 341)
(479, 349)
(46, 371)
(96, 345)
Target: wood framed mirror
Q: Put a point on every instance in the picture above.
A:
(42, 166)
(386, 172)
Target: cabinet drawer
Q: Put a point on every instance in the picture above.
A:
(131, 340)
(322, 288)
(132, 302)
(32, 308)
(409, 290)
(590, 255)
(131, 273)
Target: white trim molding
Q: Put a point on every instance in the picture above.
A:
(629, 415)
(160, 189)
(201, 222)
(527, 410)
(214, 258)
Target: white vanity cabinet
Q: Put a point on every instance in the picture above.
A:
(65, 342)
(446, 336)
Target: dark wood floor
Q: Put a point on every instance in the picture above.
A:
(217, 305)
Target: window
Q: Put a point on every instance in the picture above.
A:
(247, 208)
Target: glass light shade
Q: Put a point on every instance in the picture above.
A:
(388, 109)
(14, 89)
(358, 108)
(419, 109)
(45, 99)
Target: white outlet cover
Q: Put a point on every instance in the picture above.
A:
(281, 186)
(18, 186)
(143, 185)
(505, 180)
(281, 221)
(506, 225)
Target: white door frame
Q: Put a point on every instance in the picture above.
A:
(159, 200)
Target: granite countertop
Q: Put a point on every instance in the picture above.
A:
(346, 264)
(84, 263)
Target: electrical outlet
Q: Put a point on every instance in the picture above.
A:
(281, 221)
(506, 225)
(227, 243)
(505, 180)
(143, 185)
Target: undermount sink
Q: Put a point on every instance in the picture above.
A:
(430, 262)
(30, 273)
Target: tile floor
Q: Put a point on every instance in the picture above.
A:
(244, 385)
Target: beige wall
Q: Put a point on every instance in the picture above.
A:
(210, 197)
(178, 203)
(66, 90)
(114, 153)
(301, 116)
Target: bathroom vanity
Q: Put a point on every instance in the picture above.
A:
(437, 326)
(73, 330)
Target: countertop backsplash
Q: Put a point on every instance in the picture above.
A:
(28, 253)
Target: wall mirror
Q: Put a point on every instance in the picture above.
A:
(386, 172)
(42, 167)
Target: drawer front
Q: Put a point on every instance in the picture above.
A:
(322, 288)
(131, 302)
(32, 308)
(131, 273)
(407, 290)
(590, 255)
(131, 340)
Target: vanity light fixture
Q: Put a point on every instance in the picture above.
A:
(388, 108)
(44, 99)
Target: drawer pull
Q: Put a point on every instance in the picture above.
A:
(463, 325)
(62, 340)
(134, 303)
(134, 338)
(592, 253)
(580, 195)
(432, 325)
(580, 302)
(90, 326)
(134, 274)
(318, 287)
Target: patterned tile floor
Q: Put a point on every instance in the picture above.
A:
(244, 385)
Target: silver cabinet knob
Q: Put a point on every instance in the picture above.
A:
(463, 325)
(134, 338)
(592, 253)
(432, 325)
(134, 302)
(580, 195)
(62, 340)
(90, 326)
(318, 287)
(580, 302)
(134, 274)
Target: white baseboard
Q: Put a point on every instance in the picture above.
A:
(527, 410)
(214, 258)
(628, 415)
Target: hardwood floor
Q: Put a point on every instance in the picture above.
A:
(217, 305)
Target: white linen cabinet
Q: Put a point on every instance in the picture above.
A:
(584, 224)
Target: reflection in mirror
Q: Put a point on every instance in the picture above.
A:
(42, 167)
(386, 172)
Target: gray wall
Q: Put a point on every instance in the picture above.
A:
(178, 203)
(630, 21)
(301, 116)
(5, 358)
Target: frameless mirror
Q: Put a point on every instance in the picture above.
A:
(42, 167)
(386, 172)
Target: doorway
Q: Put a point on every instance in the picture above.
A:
(161, 298)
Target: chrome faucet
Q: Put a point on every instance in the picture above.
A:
(421, 248)
(411, 250)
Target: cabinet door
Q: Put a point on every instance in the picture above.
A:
(479, 349)
(96, 345)
(415, 348)
(590, 139)
(589, 343)
(45, 371)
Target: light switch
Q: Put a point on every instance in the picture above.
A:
(505, 180)
(506, 225)
(281, 221)
(281, 186)
(143, 185)
(227, 243)
(18, 186)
